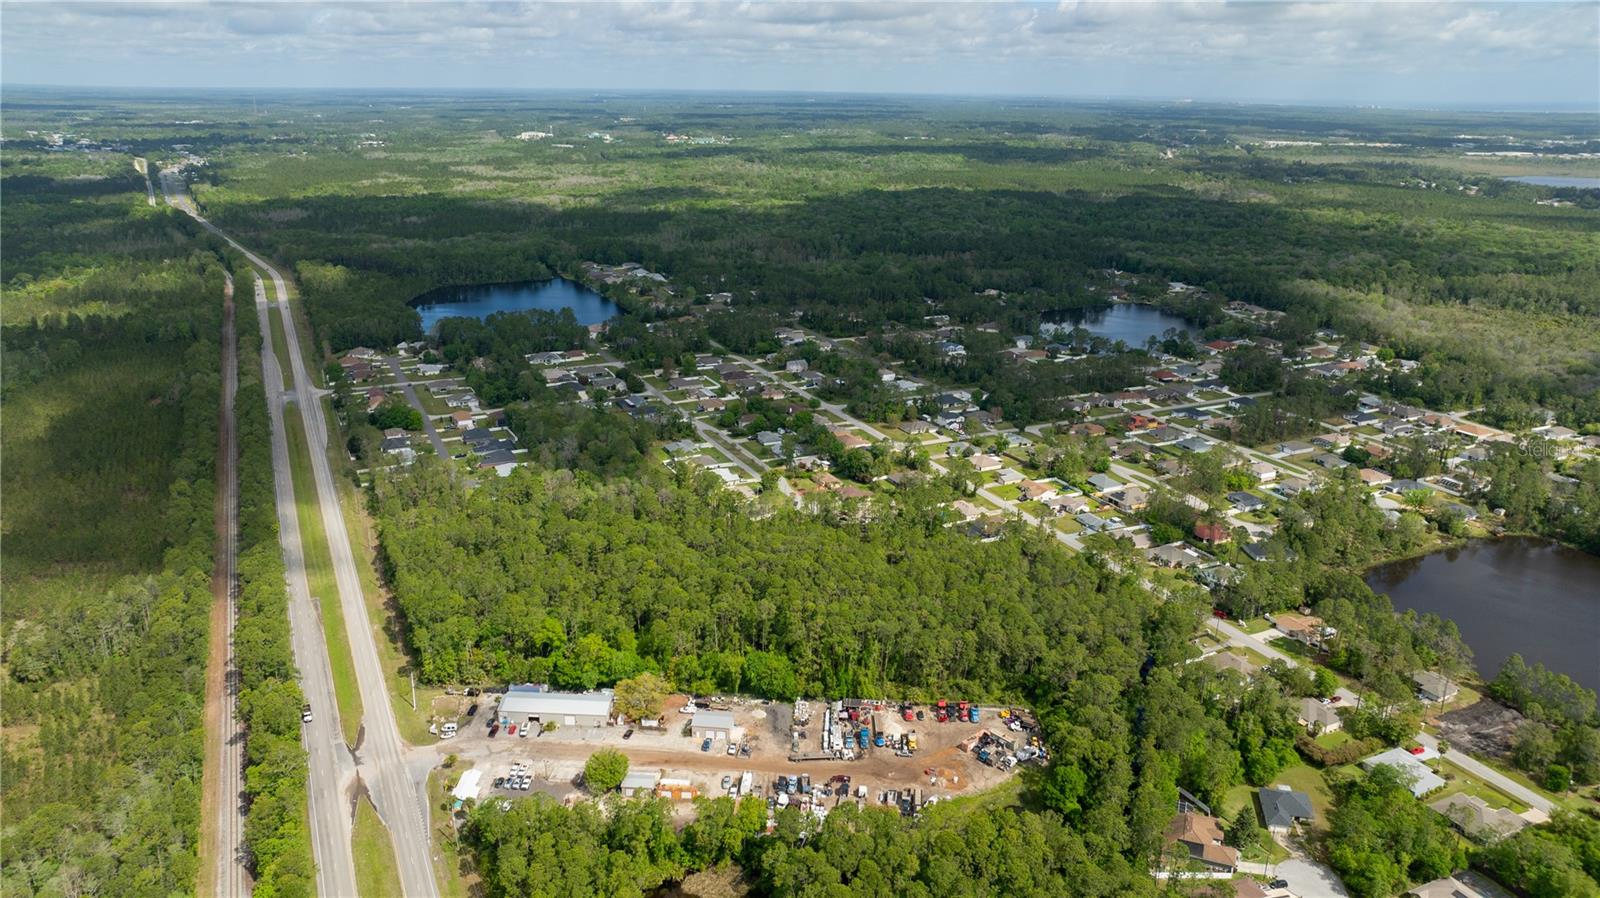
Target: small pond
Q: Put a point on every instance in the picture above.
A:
(1132, 323)
(483, 300)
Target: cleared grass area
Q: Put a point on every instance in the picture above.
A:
(376, 866)
(1334, 739)
(451, 871)
(1465, 783)
(319, 575)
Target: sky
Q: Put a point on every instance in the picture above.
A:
(1486, 55)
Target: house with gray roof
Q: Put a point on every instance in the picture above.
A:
(1282, 808)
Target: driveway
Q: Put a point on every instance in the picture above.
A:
(1310, 879)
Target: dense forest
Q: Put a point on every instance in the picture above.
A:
(564, 578)
(112, 389)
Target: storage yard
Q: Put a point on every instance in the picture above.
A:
(809, 753)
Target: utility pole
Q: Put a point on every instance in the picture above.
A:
(413, 690)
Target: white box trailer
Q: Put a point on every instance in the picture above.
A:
(745, 783)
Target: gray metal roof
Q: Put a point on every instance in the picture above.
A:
(524, 700)
(714, 719)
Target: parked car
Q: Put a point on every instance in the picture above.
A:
(706, 745)
(733, 749)
(512, 730)
(726, 781)
(628, 733)
(494, 730)
(472, 710)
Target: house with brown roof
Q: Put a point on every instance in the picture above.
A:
(1034, 491)
(375, 398)
(1211, 533)
(1201, 835)
(1306, 628)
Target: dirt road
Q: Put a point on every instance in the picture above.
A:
(222, 870)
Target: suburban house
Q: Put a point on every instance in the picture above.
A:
(1130, 498)
(1374, 477)
(1202, 837)
(1476, 820)
(1318, 717)
(375, 397)
(1094, 523)
(1229, 661)
(1177, 555)
(983, 463)
(1283, 808)
(1304, 628)
(1034, 491)
(533, 703)
(1212, 533)
(1419, 776)
(1066, 504)
(1245, 501)
(1007, 476)
(1103, 482)
(1195, 444)
(1432, 687)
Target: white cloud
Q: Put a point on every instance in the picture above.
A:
(1170, 48)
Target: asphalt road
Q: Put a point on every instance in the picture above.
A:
(380, 762)
(411, 397)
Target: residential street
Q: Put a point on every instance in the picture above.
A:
(404, 383)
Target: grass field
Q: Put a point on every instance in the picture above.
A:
(376, 867)
(319, 575)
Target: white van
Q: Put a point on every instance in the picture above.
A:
(448, 731)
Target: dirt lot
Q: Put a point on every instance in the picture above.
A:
(1483, 728)
(556, 758)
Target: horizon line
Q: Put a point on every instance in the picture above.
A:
(1543, 107)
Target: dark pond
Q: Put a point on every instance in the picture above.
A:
(1132, 323)
(1517, 594)
(483, 300)
(1557, 181)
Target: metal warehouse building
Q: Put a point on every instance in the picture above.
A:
(531, 703)
(716, 724)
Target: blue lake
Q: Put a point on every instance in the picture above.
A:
(1557, 181)
(1132, 323)
(482, 300)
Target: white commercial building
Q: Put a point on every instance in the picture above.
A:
(530, 703)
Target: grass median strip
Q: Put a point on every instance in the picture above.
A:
(376, 866)
(280, 345)
(319, 575)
